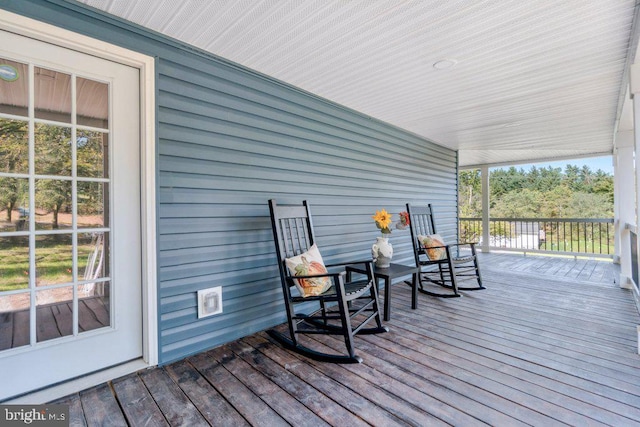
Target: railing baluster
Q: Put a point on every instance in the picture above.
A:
(600, 236)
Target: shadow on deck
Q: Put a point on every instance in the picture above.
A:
(549, 342)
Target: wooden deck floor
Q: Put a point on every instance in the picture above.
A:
(548, 343)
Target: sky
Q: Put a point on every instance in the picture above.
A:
(605, 163)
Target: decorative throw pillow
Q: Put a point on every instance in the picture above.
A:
(308, 264)
(430, 243)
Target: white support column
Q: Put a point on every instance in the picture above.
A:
(624, 177)
(484, 176)
(616, 209)
(634, 90)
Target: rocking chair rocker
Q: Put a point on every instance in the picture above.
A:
(337, 304)
(439, 263)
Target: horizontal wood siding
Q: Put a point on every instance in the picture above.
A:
(229, 140)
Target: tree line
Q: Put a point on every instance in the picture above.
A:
(52, 158)
(575, 192)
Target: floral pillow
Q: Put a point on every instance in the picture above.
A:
(430, 243)
(308, 264)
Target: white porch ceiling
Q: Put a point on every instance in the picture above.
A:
(532, 80)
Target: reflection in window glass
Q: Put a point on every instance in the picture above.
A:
(14, 310)
(14, 209)
(54, 313)
(14, 145)
(52, 150)
(93, 254)
(93, 103)
(93, 306)
(14, 263)
(53, 204)
(92, 198)
(44, 276)
(91, 150)
(54, 259)
(52, 95)
(14, 87)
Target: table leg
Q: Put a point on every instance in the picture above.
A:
(387, 299)
(414, 292)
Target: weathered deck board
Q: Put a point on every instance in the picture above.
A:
(137, 404)
(247, 403)
(204, 396)
(353, 401)
(174, 404)
(100, 407)
(76, 414)
(331, 411)
(285, 404)
(549, 342)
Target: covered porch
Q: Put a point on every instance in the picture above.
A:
(551, 341)
(353, 127)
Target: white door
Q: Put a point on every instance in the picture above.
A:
(70, 247)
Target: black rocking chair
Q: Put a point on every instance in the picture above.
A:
(345, 308)
(441, 264)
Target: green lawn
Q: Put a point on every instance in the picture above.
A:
(53, 262)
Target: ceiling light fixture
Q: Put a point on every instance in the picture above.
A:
(444, 64)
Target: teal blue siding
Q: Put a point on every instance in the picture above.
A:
(229, 139)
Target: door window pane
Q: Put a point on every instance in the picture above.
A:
(14, 146)
(14, 87)
(52, 95)
(92, 150)
(54, 259)
(53, 204)
(92, 200)
(92, 255)
(93, 103)
(14, 267)
(14, 320)
(14, 204)
(93, 306)
(54, 313)
(52, 150)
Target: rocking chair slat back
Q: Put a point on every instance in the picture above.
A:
(295, 230)
(422, 218)
(422, 223)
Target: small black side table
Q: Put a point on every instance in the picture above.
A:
(394, 271)
(388, 274)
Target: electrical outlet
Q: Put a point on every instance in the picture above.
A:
(209, 301)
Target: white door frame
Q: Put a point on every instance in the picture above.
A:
(48, 33)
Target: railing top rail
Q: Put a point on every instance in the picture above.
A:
(602, 220)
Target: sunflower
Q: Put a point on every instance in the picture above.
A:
(383, 220)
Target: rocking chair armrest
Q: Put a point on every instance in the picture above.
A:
(463, 244)
(359, 267)
(348, 263)
(333, 276)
